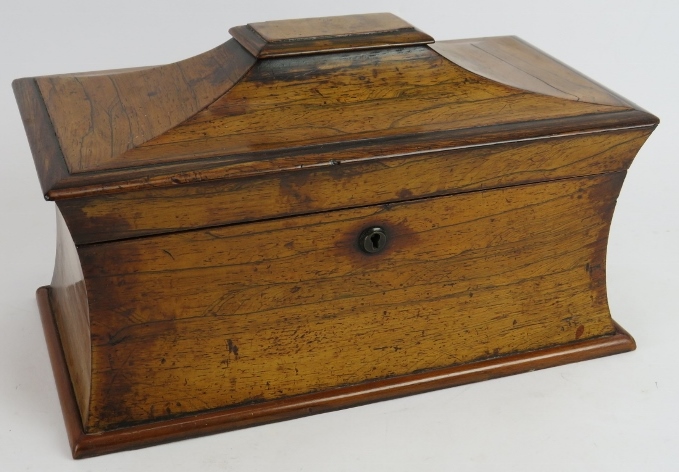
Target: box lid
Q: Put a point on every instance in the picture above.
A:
(286, 95)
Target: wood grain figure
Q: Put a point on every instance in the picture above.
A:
(319, 214)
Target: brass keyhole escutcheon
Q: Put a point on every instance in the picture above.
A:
(372, 240)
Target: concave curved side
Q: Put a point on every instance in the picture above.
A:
(68, 296)
(511, 61)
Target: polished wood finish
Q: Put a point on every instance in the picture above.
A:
(133, 437)
(99, 116)
(513, 62)
(208, 271)
(47, 156)
(350, 184)
(344, 99)
(280, 117)
(268, 310)
(262, 163)
(71, 313)
(330, 34)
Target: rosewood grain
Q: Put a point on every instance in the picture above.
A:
(268, 310)
(47, 156)
(280, 104)
(71, 313)
(314, 35)
(263, 163)
(514, 62)
(149, 434)
(359, 104)
(210, 274)
(99, 116)
(163, 210)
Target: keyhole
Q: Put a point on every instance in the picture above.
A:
(375, 238)
(372, 240)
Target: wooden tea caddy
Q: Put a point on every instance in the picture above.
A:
(319, 214)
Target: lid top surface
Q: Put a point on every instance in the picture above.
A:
(318, 35)
(286, 30)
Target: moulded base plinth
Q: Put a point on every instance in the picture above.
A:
(214, 421)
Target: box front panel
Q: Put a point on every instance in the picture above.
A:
(212, 318)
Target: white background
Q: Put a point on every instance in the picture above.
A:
(617, 413)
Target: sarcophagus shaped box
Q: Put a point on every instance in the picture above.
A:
(318, 214)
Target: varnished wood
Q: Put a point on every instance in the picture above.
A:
(99, 116)
(47, 156)
(269, 310)
(343, 110)
(344, 99)
(88, 445)
(208, 273)
(338, 33)
(260, 164)
(350, 184)
(514, 62)
(71, 313)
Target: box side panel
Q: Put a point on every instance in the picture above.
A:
(139, 213)
(208, 319)
(68, 297)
